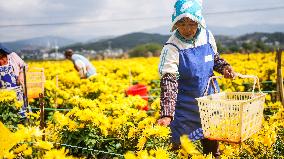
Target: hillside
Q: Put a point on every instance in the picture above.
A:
(264, 41)
(124, 42)
(129, 41)
(230, 31)
(39, 42)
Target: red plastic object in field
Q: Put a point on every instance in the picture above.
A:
(140, 90)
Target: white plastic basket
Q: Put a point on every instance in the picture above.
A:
(231, 116)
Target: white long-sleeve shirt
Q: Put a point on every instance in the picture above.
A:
(81, 67)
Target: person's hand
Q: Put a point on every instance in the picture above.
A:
(20, 80)
(165, 121)
(228, 72)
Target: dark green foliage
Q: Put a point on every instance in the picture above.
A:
(146, 50)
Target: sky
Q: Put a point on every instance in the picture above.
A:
(117, 17)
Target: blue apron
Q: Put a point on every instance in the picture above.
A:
(8, 80)
(195, 68)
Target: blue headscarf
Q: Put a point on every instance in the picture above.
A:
(188, 8)
(4, 50)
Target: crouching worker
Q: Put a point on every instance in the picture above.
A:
(81, 64)
(12, 75)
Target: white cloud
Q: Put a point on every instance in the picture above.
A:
(51, 11)
(20, 7)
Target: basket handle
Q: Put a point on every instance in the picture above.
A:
(211, 79)
(256, 81)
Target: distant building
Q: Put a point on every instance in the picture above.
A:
(56, 56)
